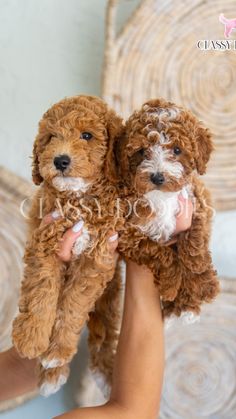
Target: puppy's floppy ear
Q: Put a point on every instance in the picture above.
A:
(205, 147)
(115, 132)
(46, 125)
(37, 178)
(40, 142)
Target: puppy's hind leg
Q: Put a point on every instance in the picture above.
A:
(195, 290)
(168, 278)
(39, 295)
(104, 327)
(85, 284)
(51, 380)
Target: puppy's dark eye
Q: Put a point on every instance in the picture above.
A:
(177, 151)
(86, 136)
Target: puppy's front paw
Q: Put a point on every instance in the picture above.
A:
(56, 357)
(50, 381)
(82, 243)
(48, 388)
(29, 337)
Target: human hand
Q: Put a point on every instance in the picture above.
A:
(72, 234)
(17, 376)
(184, 217)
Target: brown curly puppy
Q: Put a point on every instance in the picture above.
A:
(71, 162)
(159, 157)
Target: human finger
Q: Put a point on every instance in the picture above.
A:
(68, 240)
(49, 218)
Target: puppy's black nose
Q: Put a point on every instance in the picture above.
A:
(157, 178)
(62, 162)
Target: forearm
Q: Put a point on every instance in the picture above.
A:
(139, 363)
(111, 410)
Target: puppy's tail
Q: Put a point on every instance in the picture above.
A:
(52, 379)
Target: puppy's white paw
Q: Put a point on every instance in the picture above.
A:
(53, 363)
(188, 317)
(48, 388)
(102, 383)
(82, 243)
(89, 394)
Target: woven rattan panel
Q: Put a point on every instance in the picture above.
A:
(156, 54)
(13, 191)
(200, 378)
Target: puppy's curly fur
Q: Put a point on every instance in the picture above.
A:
(57, 297)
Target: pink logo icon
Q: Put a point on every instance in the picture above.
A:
(230, 24)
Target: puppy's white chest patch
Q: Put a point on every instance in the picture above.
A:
(164, 206)
(82, 243)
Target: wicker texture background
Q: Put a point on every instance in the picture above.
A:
(156, 54)
(200, 373)
(13, 190)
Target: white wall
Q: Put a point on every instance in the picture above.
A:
(49, 49)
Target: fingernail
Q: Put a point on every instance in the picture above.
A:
(113, 238)
(78, 226)
(55, 214)
(184, 193)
